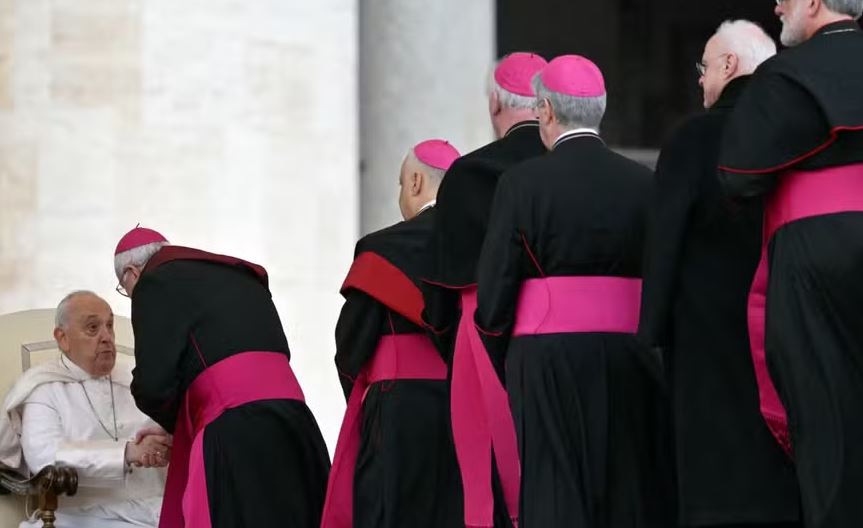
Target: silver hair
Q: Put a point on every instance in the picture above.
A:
(435, 175)
(748, 41)
(572, 112)
(852, 8)
(61, 316)
(510, 100)
(136, 257)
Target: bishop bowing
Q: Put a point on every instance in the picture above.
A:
(213, 367)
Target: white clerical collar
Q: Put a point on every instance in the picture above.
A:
(575, 133)
(834, 31)
(523, 124)
(429, 205)
(77, 371)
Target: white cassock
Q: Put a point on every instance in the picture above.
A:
(62, 416)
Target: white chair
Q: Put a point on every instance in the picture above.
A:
(26, 339)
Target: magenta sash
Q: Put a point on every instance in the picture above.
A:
(234, 381)
(555, 305)
(799, 195)
(482, 424)
(398, 356)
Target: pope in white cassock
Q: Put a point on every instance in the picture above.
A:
(78, 411)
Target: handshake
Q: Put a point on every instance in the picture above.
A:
(151, 448)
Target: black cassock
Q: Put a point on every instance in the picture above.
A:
(699, 261)
(803, 114)
(266, 462)
(463, 205)
(588, 407)
(406, 471)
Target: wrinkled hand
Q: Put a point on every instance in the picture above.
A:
(152, 450)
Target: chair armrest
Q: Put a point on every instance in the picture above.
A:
(46, 486)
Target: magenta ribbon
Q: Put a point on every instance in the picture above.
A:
(482, 424)
(799, 195)
(234, 381)
(397, 357)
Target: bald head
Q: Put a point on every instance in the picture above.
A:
(419, 184)
(736, 49)
(422, 171)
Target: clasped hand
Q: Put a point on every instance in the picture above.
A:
(151, 448)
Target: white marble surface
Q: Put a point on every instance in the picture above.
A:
(229, 125)
(424, 72)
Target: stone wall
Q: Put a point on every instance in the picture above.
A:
(423, 75)
(229, 125)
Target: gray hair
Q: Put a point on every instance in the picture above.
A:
(138, 256)
(508, 99)
(748, 41)
(572, 112)
(61, 316)
(852, 8)
(435, 175)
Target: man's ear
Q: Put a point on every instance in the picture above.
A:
(417, 182)
(494, 105)
(546, 113)
(732, 62)
(62, 339)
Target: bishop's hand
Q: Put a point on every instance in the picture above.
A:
(151, 450)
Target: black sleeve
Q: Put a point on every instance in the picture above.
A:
(162, 321)
(442, 305)
(441, 316)
(357, 333)
(499, 276)
(676, 187)
(775, 126)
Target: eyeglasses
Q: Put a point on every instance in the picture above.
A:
(780, 2)
(120, 289)
(701, 66)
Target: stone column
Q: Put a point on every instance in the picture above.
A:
(423, 73)
(228, 125)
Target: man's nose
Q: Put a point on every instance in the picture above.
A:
(106, 334)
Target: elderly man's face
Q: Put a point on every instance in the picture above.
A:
(715, 68)
(128, 280)
(87, 337)
(792, 14)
